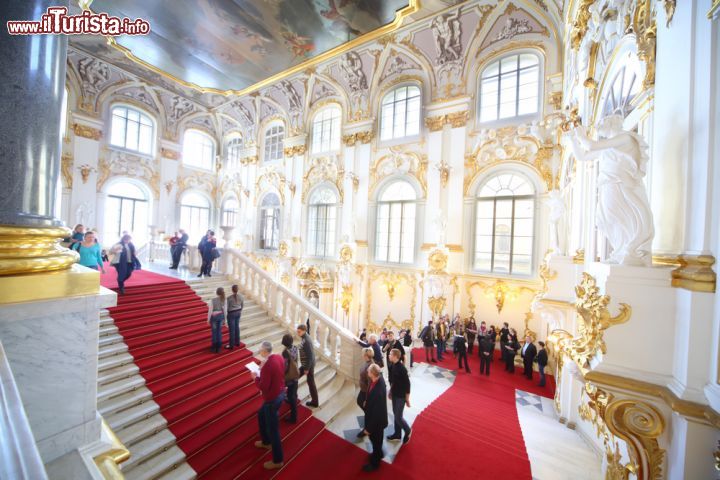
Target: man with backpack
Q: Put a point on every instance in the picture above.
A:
(292, 374)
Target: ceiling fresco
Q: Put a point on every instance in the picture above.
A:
(234, 44)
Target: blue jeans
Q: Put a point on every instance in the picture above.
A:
(542, 375)
(216, 322)
(440, 348)
(269, 426)
(398, 407)
(234, 328)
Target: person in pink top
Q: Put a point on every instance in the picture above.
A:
(271, 383)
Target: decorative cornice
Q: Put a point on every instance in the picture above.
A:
(87, 132)
(351, 139)
(252, 160)
(171, 154)
(686, 408)
(454, 119)
(695, 273)
(294, 150)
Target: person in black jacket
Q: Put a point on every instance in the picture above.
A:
(528, 353)
(178, 249)
(377, 351)
(510, 350)
(207, 250)
(504, 334)
(542, 360)
(460, 347)
(307, 362)
(427, 335)
(487, 348)
(393, 343)
(376, 418)
(399, 395)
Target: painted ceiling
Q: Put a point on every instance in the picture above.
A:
(234, 44)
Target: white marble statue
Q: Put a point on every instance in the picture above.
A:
(556, 206)
(623, 210)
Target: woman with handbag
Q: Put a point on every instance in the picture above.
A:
(292, 374)
(216, 317)
(208, 252)
(124, 261)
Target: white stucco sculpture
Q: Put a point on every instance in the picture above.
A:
(556, 207)
(623, 211)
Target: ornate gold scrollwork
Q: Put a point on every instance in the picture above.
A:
(437, 262)
(294, 150)
(436, 304)
(87, 132)
(594, 318)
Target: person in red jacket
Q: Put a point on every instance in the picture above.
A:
(271, 383)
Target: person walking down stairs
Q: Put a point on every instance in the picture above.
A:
(216, 317)
(290, 357)
(307, 362)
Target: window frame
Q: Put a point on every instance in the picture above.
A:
(213, 154)
(404, 138)
(141, 114)
(234, 142)
(477, 199)
(540, 89)
(193, 208)
(403, 204)
(279, 136)
(224, 211)
(327, 226)
(276, 215)
(335, 133)
(138, 233)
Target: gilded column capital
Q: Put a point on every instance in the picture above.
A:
(435, 124)
(170, 154)
(86, 131)
(457, 119)
(364, 137)
(294, 150)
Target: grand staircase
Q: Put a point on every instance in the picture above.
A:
(181, 411)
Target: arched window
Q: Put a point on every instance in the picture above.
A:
(322, 221)
(326, 130)
(510, 87)
(270, 222)
(505, 225)
(395, 240)
(229, 212)
(198, 149)
(274, 136)
(233, 148)
(132, 129)
(126, 209)
(195, 215)
(400, 116)
(623, 90)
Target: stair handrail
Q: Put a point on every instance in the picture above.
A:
(19, 456)
(333, 342)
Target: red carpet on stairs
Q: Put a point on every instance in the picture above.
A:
(210, 403)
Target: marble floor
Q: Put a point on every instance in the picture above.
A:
(555, 452)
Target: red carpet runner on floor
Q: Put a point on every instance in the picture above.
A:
(209, 401)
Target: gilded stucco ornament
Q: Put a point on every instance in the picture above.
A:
(593, 319)
(637, 423)
(87, 132)
(66, 170)
(437, 262)
(283, 249)
(294, 150)
(390, 279)
(399, 161)
(271, 178)
(323, 169)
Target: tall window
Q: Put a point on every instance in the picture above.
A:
(395, 240)
(505, 225)
(326, 130)
(195, 215)
(400, 113)
(229, 212)
(198, 150)
(274, 142)
(126, 209)
(234, 146)
(322, 219)
(510, 87)
(270, 222)
(131, 129)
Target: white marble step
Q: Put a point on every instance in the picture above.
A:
(114, 349)
(112, 361)
(110, 375)
(107, 340)
(158, 465)
(182, 472)
(132, 415)
(321, 379)
(148, 447)
(119, 387)
(334, 396)
(137, 432)
(108, 329)
(124, 401)
(105, 320)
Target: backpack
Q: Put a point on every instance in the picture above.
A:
(291, 355)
